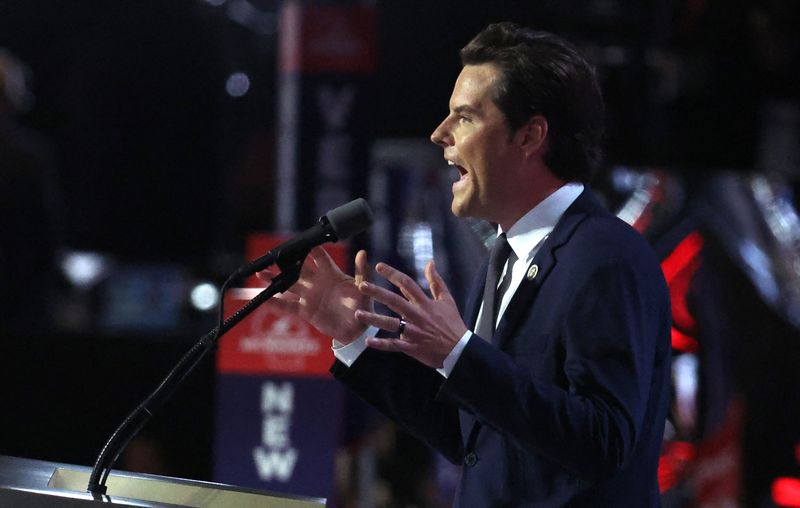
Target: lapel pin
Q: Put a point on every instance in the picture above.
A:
(532, 271)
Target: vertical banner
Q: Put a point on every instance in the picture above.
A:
(327, 64)
(278, 410)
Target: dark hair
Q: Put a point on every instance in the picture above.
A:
(544, 74)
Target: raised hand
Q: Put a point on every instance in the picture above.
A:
(433, 325)
(325, 296)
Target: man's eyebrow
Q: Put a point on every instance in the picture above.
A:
(464, 108)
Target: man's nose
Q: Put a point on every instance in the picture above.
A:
(440, 136)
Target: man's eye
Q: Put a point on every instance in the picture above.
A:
(463, 118)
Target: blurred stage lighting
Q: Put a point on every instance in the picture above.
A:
(204, 297)
(84, 269)
(238, 84)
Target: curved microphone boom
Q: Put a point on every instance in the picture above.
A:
(338, 224)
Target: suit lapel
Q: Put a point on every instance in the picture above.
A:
(545, 260)
(474, 298)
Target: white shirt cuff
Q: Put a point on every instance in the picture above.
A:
(349, 353)
(451, 359)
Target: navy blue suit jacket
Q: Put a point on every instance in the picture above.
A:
(566, 405)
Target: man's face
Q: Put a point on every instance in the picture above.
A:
(477, 141)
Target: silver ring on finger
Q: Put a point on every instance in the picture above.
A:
(402, 327)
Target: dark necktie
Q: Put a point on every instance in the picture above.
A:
(491, 296)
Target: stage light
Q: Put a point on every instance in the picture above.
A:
(238, 84)
(204, 296)
(84, 269)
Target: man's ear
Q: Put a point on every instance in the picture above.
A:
(533, 136)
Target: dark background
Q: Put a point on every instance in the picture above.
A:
(132, 94)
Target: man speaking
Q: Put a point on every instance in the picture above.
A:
(552, 387)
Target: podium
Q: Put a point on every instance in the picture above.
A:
(28, 483)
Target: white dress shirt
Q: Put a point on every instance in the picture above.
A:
(525, 237)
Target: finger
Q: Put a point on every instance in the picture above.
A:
(322, 259)
(303, 286)
(288, 296)
(388, 323)
(363, 271)
(438, 287)
(404, 283)
(392, 300)
(268, 273)
(309, 268)
(283, 304)
(389, 345)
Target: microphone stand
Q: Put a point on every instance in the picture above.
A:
(133, 423)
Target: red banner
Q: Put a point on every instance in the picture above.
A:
(328, 38)
(268, 341)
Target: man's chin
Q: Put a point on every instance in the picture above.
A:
(472, 210)
(460, 210)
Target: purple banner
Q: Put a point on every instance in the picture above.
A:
(276, 433)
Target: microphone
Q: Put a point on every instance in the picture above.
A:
(337, 224)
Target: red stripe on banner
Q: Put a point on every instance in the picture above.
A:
(328, 38)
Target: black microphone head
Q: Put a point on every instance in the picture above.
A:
(350, 218)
